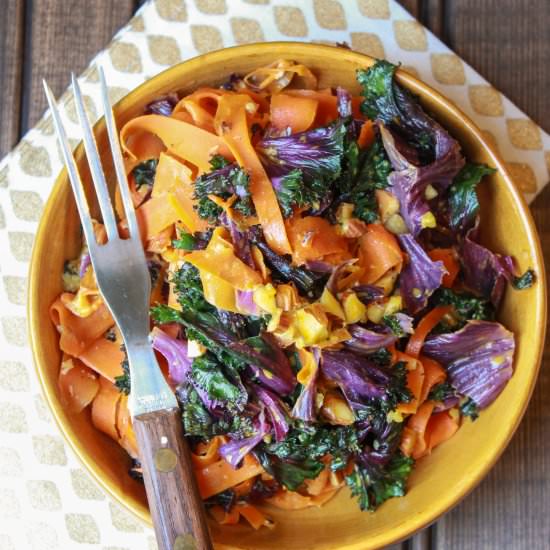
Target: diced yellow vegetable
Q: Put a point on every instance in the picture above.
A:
(354, 309)
(312, 329)
(336, 410)
(396, 224)
(195, 348)
(394, 416)
(428, 220)
(375, 312)
(430, 192)
(387, 282)
(388, 205)
(393, 305)
(331, 304)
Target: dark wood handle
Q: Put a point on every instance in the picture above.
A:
(174, 500)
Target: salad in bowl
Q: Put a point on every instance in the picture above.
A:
(322, 305)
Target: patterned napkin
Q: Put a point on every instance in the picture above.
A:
(47, 500)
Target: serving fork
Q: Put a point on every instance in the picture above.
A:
(124, 283)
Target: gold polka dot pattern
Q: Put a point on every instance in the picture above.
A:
(52, 502)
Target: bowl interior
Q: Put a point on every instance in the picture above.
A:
(438, 481)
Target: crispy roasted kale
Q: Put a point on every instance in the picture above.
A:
(122, 382)
(441, 392)
(463, 202)
(469, 408)
(372, 484)
(467, 307)
(223, 181)
(524, 281)
(144, 173)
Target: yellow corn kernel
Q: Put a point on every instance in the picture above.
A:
(375, 312)
(393, 305)
(394, 416)
(195, 348)
(331, 304)
(388, 205)
(430, 192)
(428, 220)
(354, 309)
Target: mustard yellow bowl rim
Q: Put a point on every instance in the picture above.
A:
(287, 49)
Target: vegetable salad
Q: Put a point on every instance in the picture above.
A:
(322, 306)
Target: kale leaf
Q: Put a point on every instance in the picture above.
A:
(223, 181)
(305, 441)
(186, 241)
(441, 392)
(373, 485)
(294, 191)
(463, 203)
(467, 306)
(122, 382)
(524, 281)
(208, 375)
(144, 173)
(469, 408)
(364, 172)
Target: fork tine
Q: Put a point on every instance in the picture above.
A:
(117, 159)
(72, 170)
(96, 168)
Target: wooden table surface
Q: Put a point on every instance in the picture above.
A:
(507, 42)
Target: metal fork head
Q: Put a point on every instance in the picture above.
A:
(120, 266)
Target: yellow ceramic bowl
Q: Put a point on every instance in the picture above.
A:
(440, 480)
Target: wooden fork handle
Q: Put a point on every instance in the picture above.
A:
(176, 506)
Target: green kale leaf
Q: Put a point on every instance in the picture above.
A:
(122, 382)
(373, 485)
(441, 392)
(144, 173)
(463, 202)
(469, 408)
(524, 281)
(223, 181)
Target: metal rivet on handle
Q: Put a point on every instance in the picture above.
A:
(185, 542)
(165, 459)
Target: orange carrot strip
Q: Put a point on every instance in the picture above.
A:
(219, 259)
(448, 257)
(77, 333)
(366, 135)
(104, 357)
(127, 437)
(225, 518)
(317, 486)
(169, 174)
(78, 385)
(220, 475)
(298, 113)
(290, 500)
(327, 109)
(415, 382)
(255, 517)
(408, 441)
(434, 374)
(155, 215)
(378, 253)
(313, 237)
(208, 454)
(441, 427)
(418, 422)
(232, 125)
(180, 138)
(104, 408)
(425, 326)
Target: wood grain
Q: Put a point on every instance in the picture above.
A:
(174, 500)
(63, 37)
(11, 57)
